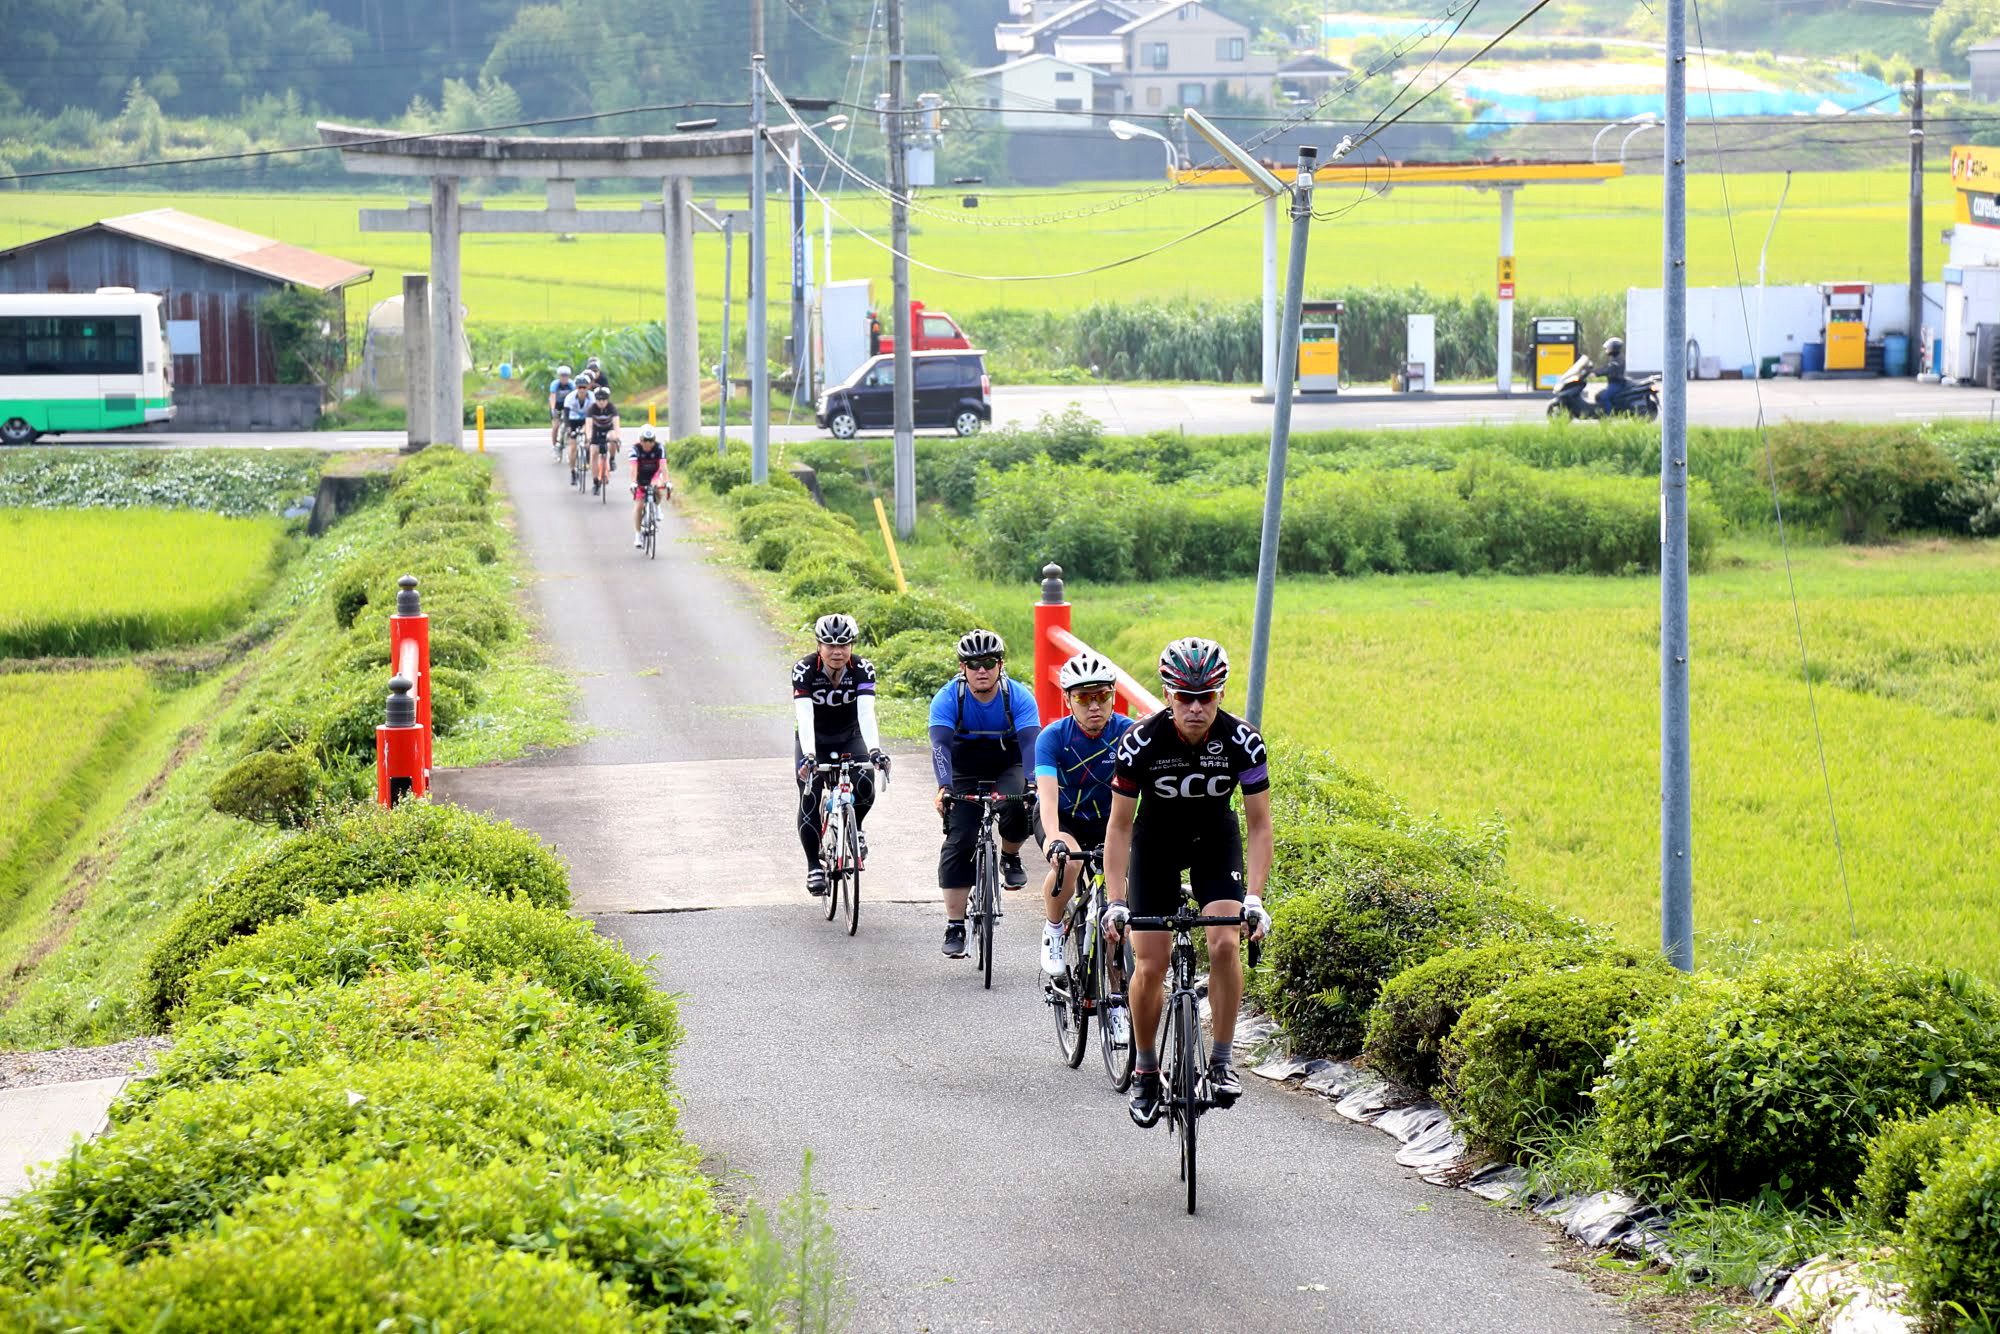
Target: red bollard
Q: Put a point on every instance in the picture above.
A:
(399, 766)
(410, 631)
(1051, 613)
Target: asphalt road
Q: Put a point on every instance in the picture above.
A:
(976, 1183)
(1212, 409)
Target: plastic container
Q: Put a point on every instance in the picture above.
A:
(1812, 358)
(1895, 355)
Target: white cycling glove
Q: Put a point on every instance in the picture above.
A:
(1256, 918)
(1115, 918)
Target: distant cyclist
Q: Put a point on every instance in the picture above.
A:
(559, 392)
(1170, 814)
(833, 705)
(597, 375)
(576, 410)
(603, 417)
(1074, 757)
(983, 727)
(649, 473)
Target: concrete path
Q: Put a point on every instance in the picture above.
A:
(976, 1183)
(39, 1122)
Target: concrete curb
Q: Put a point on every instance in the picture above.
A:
(39, 1123)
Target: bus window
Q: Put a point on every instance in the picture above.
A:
(69, 345)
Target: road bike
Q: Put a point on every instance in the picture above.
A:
(556, 435)
(601, 486)
(649, 520)
(579, 457)
(1093, 980)
(1184, 1085)
(840, 839)
(983, 909)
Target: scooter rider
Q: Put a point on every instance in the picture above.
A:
(1613, 371)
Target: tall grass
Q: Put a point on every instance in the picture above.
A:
(55, 730)
(91, 582)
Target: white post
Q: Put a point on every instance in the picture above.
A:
(1504, 343)
(682, 326)
(1270, 298)
(447, 319)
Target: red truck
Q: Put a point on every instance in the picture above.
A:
(930, 331)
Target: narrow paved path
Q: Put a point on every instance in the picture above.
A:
(975, 1182)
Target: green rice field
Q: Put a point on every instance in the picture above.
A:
(91, 582)
(1568, 239)
(55, 730)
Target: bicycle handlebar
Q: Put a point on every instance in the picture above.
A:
(1178, 922)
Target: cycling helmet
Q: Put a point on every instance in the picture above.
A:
(981, 644)
(648, 434)
(1086, 669)
(562, 372)
(1614, 347)
(835, 628)
(601, 394)
(584, 378)
(1193, 665)
(591, 364)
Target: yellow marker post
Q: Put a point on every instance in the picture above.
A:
(652, 415)
(889, 540)
(479, 420)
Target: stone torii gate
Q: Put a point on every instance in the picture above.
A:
(450, 159)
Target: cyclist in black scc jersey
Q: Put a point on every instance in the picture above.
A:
(833, 700)
(1170, 812)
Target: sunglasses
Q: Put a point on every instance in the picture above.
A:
(980, 664)
(1090, 697)
(1196, 696)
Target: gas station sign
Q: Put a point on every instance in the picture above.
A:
(1506, 277)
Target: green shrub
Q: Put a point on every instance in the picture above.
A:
(364, 850)
(476, 537)
(1777, 1078)
(428, 926)
(1860, 477)
(199, 1152)
(783, 513)
(1903, 1152)
(349, 591)
(275, 1277)
(439, 1013)
(1419, 1007)
(1524, 1057)
(1950, 1252)
(271, 786)
(920, 669)
(819, 578)
(775, 547)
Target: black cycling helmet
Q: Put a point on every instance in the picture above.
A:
(1191, 666)
(834, 628)
(602, 394)
(981, 644)
(1614, 347)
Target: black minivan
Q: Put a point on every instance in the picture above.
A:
(949, 389)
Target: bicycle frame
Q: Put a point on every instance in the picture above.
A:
(985, 900)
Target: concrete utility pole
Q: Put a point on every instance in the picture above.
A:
(1916, 222)
(417, 409)
(448, 384)
(1676, 788)
(722, 371)
(683, 353)
(759, 315)
(905, 452)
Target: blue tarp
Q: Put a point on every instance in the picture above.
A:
(1851, 92)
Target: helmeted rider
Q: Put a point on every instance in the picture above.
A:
(1074, 757)
(649, 472)
(833, 706)
(1612, 368)
(560, 389)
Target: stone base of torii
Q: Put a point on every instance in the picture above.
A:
(450, 159)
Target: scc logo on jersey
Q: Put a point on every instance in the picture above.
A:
(833, 699)
(1194, 785)
(1252, 744)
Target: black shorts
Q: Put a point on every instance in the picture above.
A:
(962, 826)
(1088, 833)
(1211, 853)
(601, 443)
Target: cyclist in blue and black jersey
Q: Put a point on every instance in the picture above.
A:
(1074, 757)
(983, 726)
(559, 390)
(576, 407)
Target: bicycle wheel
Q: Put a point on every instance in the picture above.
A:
(1187, 1082)
(1068, 998)
(988, 891)
(829, 860)
(853, 878)
(1118, 1056)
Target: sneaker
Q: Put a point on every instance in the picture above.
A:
(638, 540)
(1053, 962)
(816, 882)
(1012, 873)
(954, 940)
(1120, 1020)
(1223, 1086)
(1145, 1106)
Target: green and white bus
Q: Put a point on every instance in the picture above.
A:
(94, 361)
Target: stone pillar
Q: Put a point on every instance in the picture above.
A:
(418, 408)
(682, 330)
(447, 317)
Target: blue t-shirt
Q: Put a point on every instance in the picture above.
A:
(1081, 764)
(983, 744)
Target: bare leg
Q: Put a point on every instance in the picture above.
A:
(1225, 971)
(1148, 994)
(954, 903)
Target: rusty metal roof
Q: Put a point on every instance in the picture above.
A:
(236, 248)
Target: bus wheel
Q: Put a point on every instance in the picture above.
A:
(15, 431)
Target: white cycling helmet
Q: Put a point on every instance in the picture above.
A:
(648, 433)
(981, 644)
(1086, 669)
(562, 372)
(834, 628)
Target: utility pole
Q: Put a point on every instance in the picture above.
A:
(1676, 794)
(905, 453)
(722, 371)
(1916, 221)
(1281, 438)
(759, 313)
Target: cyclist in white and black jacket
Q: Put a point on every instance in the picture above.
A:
(833, 702)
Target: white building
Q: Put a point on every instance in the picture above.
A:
(1972, 271)
(1032, 92)
(1151, 55)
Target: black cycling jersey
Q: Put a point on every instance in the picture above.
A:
(1189, 784)
(836, 714)
(647, 460)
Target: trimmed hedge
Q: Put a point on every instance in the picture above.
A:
(1950, 1252)
(1778, 1078)
(1901, 1155)
(360, 851)
(427, 926)
(271, 786)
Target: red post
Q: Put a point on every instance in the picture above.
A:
(1051, 613)
(399, 767)
(410, 632)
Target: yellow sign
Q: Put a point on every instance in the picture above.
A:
(1976, 173)
(1506, 268)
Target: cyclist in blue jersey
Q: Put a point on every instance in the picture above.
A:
(575, 409)
(559, 390)
(983, 726)
(1074, 757)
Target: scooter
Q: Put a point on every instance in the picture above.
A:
(1639, 398)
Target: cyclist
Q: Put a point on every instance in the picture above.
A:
(597, 375)
(559, 390)
(833, 703)
(603, 436)
(1073, 762)
(1170, 813)
(649, 473)
(983, 726)
(576, 408)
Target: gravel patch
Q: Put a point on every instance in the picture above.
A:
(62, 1065)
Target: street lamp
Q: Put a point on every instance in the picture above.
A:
(1126, 130)
(1629, 120)
(1267, 185)
(1651, 123)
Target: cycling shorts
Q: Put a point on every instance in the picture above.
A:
(1088, 833)
(962, 828)
(601, 443)
(1211, 852)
